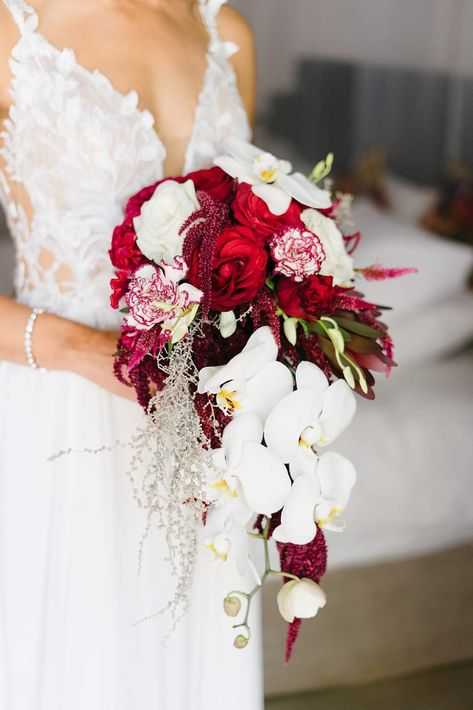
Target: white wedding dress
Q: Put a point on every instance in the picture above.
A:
(72, 151)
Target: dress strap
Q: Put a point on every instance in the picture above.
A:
(24, 15)
(209, 10)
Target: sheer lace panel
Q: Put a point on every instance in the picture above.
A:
(73, 150)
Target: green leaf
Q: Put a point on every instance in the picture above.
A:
(317, 328)
(364, 346)
(354, 326)
(305, 327)
(124, 310)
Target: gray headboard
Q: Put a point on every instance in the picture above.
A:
(421, 120)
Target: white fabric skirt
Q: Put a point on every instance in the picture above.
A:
(69, 590)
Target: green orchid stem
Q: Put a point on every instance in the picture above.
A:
(275, 573)
(268, 572)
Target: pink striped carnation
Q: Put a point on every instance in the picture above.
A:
(156, 296)
(297, 252)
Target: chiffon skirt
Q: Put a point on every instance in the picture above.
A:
(69, 590)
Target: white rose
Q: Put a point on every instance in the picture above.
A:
(162, 217)
(300, 599)
(337, 263)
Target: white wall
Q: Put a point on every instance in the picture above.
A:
(415, 33)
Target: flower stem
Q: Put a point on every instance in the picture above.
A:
(268, 572)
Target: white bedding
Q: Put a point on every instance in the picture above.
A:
(414, 453)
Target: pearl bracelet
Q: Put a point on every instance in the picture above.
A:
(28, 340)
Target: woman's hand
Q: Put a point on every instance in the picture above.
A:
(90, 354)
(60, 344)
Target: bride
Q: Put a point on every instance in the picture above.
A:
(97, 99)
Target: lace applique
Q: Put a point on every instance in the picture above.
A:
(24, 15)
(72, 151)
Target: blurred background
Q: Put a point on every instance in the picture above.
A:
(387, 86)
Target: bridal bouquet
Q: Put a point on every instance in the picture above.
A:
(245, 339)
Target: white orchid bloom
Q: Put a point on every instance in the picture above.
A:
(246, 471)
(320, 493)
(270, 178)
(313, 415)
(252, 381)
(300, 599)
(225, 535)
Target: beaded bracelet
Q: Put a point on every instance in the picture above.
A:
(28, 340)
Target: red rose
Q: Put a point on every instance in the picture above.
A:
(238, 268)
(251, 211)
(119, 286)
(309, 299)
(214, 181)
(124, 253)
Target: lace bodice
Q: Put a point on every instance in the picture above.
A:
(74, 149)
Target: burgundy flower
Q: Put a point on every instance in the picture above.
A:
(238, 268)
(124, 253)
(214, 182)
(309, 299)
(251, 211)
(308, 561)
(119, 285)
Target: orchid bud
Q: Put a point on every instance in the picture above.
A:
(290, 330)
(363, 383)
(349, 376)
(231, 606)
(228, 324)
(337, 339)
(300, 599)
(241, 641)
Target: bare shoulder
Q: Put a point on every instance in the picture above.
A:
(234, 27)
(7, 25)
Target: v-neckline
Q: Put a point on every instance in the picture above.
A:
(94, 74)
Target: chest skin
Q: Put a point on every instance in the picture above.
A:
(159, 53)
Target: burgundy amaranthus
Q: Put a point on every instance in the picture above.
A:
(203, 228)
(264, 312)
(303, 561)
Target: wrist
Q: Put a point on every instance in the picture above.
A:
(80, 345)
(88, 351)
(60, 344)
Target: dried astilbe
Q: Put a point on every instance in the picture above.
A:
(169, 468)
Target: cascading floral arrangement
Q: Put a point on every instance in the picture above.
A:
(243, 328)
